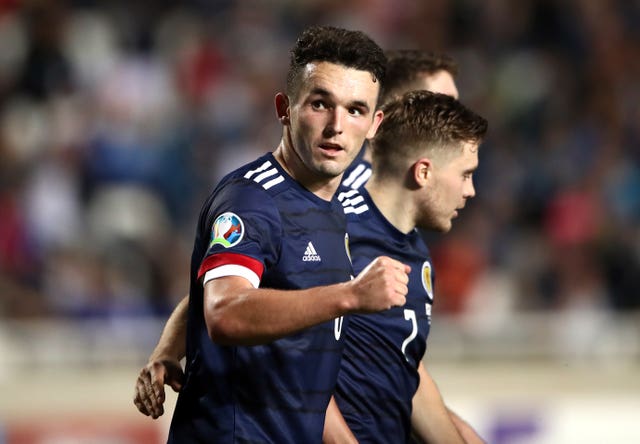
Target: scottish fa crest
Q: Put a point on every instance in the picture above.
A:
(427, 281)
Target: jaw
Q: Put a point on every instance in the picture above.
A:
(329, 168)
(438, 224)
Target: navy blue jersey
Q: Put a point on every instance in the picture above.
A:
(378, 374)
(358, 172)
(261, 224)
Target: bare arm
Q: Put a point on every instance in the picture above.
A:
(269, 315)
(173, 340)
(238, 314)
(430, 418)
(468, 433)
(164, 364)
(336, 430)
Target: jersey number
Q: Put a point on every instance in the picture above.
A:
(410, 315)
(337, 327)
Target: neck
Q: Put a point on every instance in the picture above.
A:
(321, 186)
(394, 202)
(367, 152)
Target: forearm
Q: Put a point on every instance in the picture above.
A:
(240, 315)
(236, 313)
(164, 364)
(172, 342)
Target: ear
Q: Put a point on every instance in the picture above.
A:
(422, 171)
(282, 108)
(377, 119)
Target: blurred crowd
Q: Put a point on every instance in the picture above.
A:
(117, 119)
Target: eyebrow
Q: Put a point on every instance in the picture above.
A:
(323, 92)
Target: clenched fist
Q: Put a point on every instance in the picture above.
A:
(380, 286)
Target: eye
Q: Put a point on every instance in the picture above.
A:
(318, 105)
(355, 111)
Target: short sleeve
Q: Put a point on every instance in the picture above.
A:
(244, 232)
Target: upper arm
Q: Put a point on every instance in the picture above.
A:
(433, 420)
(427, 395)
(218, 294)
(336, 429)
(430, 418)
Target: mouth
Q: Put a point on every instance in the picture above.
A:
(331, 149)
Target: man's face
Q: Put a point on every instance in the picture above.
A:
(449, 187)
(440, 82)
(332, 113)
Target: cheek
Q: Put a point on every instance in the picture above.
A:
(305, 122)
(360, 126)
(309, 118)
(454, 192)
(306, 129)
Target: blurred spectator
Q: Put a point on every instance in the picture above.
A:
(116, 119)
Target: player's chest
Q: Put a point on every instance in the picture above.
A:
(314, 251)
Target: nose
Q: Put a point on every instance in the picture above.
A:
(469, 190)
(335, 122)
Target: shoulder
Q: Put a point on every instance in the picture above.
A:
(247, 192)
(255, 183)
(261, 174)
(265, 173)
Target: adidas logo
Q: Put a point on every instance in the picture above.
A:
(310, 254)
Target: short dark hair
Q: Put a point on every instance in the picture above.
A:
(352, 49)
(422, 123)
(405, 66)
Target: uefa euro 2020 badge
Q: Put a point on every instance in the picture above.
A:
(227, 230)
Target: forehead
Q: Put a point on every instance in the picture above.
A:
(345, 84)
(440, 82)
